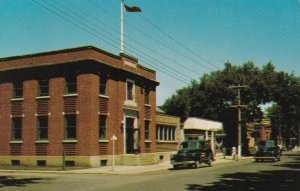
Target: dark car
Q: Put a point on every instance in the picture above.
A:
(193, 153)
(267, 150)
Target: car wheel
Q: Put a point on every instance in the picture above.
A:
(256, 160)
(197, 164)
(176, 167)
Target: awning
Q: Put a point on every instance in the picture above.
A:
(202, 124)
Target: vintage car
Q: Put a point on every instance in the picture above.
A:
(267, 150)
(193, 153)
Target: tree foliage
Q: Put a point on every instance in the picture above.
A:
(210, 97)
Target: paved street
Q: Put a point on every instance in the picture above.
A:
(241, 175)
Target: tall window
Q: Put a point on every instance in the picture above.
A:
(147, 130)
(17, 128)
(103, 82)
(42, 125)
(130, 90)
(102, 127)
(70, 126)
(146, 95)
(18, 90)
(71, 85)
(43, 88)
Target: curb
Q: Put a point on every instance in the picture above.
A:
(118, 172)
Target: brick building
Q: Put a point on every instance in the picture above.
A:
(70, 102)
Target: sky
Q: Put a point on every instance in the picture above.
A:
(180, 39)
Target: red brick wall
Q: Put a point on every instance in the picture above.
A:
(88, 107)
(29, 119)
(56, 120)
(5, 119)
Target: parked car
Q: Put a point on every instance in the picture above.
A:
(193, 153)
(267, 150)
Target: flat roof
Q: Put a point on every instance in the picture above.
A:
(202, 124)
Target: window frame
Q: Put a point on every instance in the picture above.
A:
(43, 89)
(17, 129)
(130, 96)
(71, 85)
(41, 128)
(18, 90)
(102, 127)
(147, 124)
(147, 95)
(70, 126)
(103, 86)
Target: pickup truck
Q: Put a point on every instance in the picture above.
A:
(193, 153)
(267, 150)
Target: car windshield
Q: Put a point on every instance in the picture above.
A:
(189, 145)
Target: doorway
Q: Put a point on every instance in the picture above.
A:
(129, 127)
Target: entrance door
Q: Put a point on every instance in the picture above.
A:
(129, 135)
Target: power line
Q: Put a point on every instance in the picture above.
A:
(95, 34)
(156, 40)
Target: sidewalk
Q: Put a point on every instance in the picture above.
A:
(127, 170)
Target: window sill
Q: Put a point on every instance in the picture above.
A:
(104, 96)
(16, 142)
(167, 141)
(17, 99)
(148, 141)
(70, 141)
(42, 97)
(70, 95)
(103, 141)
(42, 141)
(148, 105)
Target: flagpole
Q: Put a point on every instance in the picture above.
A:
(122, 30)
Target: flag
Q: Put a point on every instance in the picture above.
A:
(132, 8)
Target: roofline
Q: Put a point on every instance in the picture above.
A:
(75, 61)
(87, 47)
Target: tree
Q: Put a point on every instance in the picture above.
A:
(211, 98)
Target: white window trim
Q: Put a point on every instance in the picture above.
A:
(133, 90)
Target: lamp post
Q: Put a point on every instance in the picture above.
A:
(113, 138)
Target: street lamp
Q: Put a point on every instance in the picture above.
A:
(113, 138)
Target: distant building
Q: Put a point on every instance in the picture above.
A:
(198, 128)
(71, 102)
(258, 132)
(168, 134)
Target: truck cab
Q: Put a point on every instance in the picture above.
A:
(193, 153)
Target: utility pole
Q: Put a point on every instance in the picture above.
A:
(239, 106)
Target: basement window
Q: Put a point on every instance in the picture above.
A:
(41, 163)
(15, 162)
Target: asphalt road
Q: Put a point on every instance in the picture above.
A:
(234, 176)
